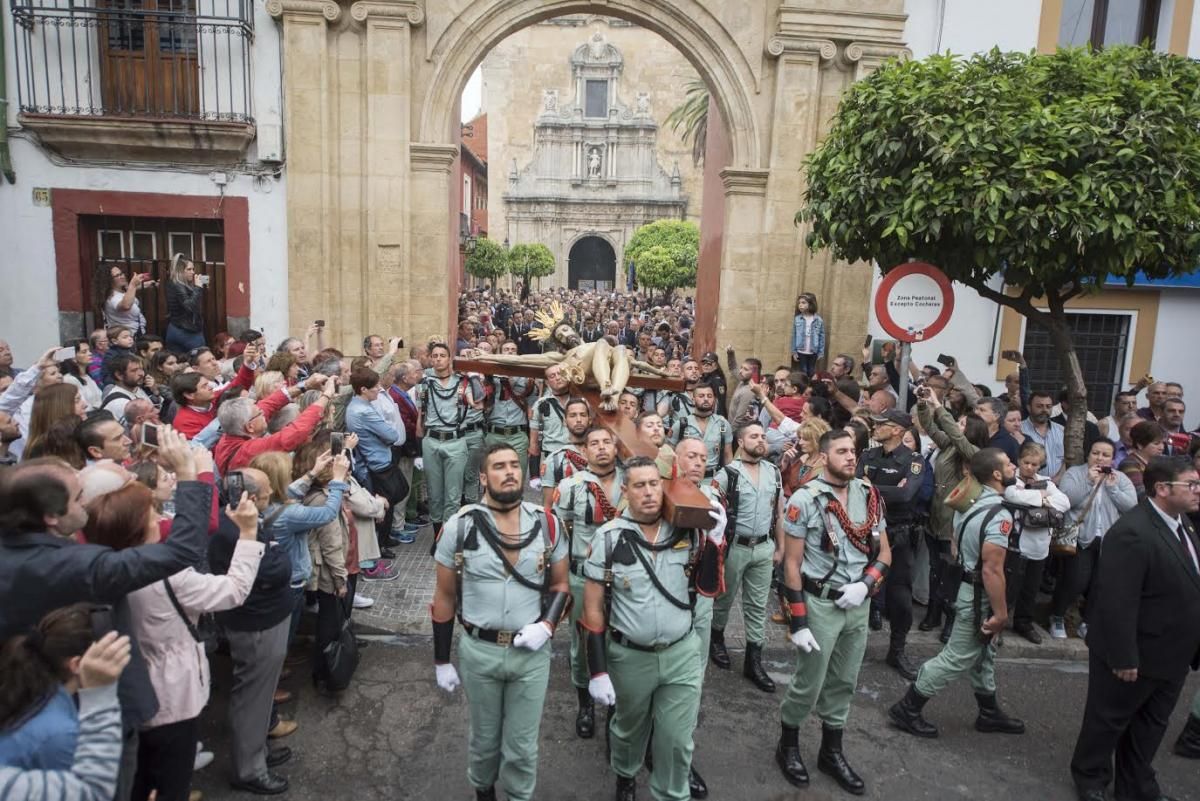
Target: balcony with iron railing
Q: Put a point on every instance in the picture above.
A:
(136, 79)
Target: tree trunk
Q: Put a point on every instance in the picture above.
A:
(1060, 335)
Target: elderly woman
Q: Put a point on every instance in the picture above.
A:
(1146, 440)
(1099, 495)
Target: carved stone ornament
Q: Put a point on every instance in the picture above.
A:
(389, 9)
(328, 9)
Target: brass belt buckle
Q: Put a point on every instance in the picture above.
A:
(504, 638)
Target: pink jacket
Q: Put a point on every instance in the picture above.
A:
(177, 664)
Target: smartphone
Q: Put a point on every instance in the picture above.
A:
(62, 354)
(337, 442)
(146, 277)
(757, 376)
(401, 342)
(947, 361)
(319, 323)
(867, 341)
(203, 280)
(150, 435)
(234, 487)
(1106, 470)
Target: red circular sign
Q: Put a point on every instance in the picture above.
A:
(914, 301)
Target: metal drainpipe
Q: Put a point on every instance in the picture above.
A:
(6, 166)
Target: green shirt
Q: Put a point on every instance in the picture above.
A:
(547, 419)
(805, 518)
(491, 598)
(998, 529)
(756, 503)
(716, 436)
(560, 466)
(574, 497)
(444, 403)
(506, 412)
(639, 610)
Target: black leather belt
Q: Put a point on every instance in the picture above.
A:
(577, 567)
(505, 431)
(968, 577)
(469, 427)
(621, 639)
(503, 638)
(752, 541)
(442, 436)
(826, 591)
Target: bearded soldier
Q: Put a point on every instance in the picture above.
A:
(569, 459)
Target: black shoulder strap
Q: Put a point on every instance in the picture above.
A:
(116, 394)
(731, 501)
(187, 621)
(988, 514)
(658, 585)
(492, 539)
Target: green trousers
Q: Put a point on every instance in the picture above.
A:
(444, 464)
(506, 688)
(580, 675)
(518, 442)
(659, 689)
(748, 569)
(964, 654)
(826, 679)
(471, 471)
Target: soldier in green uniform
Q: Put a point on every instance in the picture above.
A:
(547, 428)
(752, 487)
(982, 534)
(472, 432)
(584, 502)
(836, 553)
(641, 574)
(673, 405)
(443, 399)
(650, 428)
(569, 459)
(508, 415)
(502, 566)
(709, 427)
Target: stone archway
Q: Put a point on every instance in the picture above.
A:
(371, 91)
(592, 264)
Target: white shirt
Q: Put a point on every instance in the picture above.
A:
(131, 318)
(88, 389)
(390, 413)
(1174, 523)
(1035, 542)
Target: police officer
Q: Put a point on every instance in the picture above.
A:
(502, 565)
(569, 459)
(752, 487)
(982, 534)
(835, 554)
(641, 576)
(709, 427)
(547, 431)
(444, 397)
(508, 415)
(897, 473)
(585, 501)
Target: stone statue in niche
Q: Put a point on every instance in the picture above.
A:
(594, 163)
(643, 104)
(597, 48)
(550, 99)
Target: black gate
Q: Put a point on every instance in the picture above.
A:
(1101, 341)
(592, 264)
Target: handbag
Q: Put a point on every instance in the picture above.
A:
(1065, 541)
(341, 657)
(1042, 517)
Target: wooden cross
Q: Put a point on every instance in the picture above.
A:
(684, 505)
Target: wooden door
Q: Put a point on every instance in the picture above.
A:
(149, 57)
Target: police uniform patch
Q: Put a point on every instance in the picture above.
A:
(793, 514)
(915, 467)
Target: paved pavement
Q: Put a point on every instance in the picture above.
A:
(393, 735)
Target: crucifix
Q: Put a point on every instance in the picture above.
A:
(684, 505)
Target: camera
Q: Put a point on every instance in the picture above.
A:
(1106, 470)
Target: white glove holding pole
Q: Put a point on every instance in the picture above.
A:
(535, 483)
(447, 677)
(804, 640)
(419, 464)
(716, 534)
(602, 690)
(533, 636)
(853, 595)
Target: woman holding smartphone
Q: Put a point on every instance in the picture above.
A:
(116, 295)
(185, 306)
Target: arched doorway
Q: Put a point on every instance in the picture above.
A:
(592, 264)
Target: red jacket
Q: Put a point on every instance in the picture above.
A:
(191, 421)
(235, 451)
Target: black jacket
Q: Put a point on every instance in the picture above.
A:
(40, 572)
(185, 306)
(270, 599)
(1144, 609)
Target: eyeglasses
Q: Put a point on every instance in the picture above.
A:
(1193, 486)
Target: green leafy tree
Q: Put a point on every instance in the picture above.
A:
(691, 116)
(487, 261)
(530, 261)
(678, 241)
(1056, 173)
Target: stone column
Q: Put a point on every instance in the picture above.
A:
(740, 311)
(429, 240)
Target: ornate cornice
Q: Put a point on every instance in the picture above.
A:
(408, 10)
(873, 53)
(745, 182)
(328, 9)
(824, 48)
(884, 23)
(432, 158)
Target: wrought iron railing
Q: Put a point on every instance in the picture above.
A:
(157, 59)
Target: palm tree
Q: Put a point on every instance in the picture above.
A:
(692, 116)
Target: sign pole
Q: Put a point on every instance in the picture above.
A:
(902, 389)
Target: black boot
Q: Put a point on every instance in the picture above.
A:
(626, 789)
(875, 618)
(752, 668)
(696, 785)
(585, 718)
(485, 795)
(896, 658)
(1188, 744)
(787, 756)
(832, 761)
(933, 616)
(716, 649)
(947, 626)
(992, 719)
(906, 714)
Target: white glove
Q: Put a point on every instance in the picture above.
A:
(447, 677)
(716, 534)
(804, 640)
(601, 688)
(535, 483)
(533, 636)
(852, 595)
(419, 464)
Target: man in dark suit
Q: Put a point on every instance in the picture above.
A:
(1143, 633)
